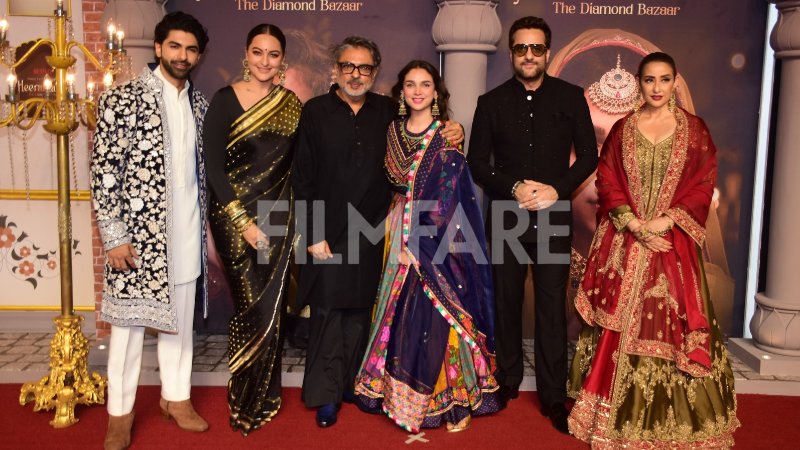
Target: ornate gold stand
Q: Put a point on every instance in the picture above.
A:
(69, 383)
(62, 111)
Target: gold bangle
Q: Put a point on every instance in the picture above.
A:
(243, 225)
(233, 207)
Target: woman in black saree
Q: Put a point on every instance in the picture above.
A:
(248, 133)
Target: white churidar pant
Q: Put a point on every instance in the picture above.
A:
(174, 357)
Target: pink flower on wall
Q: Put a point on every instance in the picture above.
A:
(7, 237)
(26, 268)
(23, 258)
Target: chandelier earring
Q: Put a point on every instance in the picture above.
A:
(282, 73)
(401, 109)
(435, 107)
(246, 71)
(638, 102)
(673, 101)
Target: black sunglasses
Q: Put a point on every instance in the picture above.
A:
(364, 69)
(522, 49)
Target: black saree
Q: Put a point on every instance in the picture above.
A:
(253, 151)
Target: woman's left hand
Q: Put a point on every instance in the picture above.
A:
(657, 244)
(453, 132)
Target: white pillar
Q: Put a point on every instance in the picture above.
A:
(138, 19)
(776, 322)
(466, 31)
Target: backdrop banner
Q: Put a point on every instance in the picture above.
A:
(717, 45)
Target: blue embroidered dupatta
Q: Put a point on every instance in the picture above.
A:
(431, 352)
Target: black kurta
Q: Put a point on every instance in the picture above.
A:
(339, 161)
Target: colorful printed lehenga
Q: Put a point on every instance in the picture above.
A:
(430, 357)
(650, 368)
(257, 166)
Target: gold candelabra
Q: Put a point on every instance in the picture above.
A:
(62, 110)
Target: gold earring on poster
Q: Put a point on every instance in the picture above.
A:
(672, 102)
(401, 110)
(282, 73)
(435, 107)
(246, 71)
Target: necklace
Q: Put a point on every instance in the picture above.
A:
(411, 140)
(402, 147)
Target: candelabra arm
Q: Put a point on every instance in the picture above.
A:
(90, 57)
(39, 42)
(24, 115)
(88, 118)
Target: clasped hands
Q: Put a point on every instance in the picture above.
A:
(533, 196)
(650, 233)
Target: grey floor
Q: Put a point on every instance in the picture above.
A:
(24, 357)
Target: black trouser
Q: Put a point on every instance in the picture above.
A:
(337, 342)
(550, 333)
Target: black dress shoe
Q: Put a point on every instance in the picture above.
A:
(557, 414)
(506, 394)
(326, 415)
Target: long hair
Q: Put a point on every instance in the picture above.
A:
(438, 85)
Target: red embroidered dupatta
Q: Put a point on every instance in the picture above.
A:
(653, 299)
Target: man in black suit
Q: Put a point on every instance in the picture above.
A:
(528, 125)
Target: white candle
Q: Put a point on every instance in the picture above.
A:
(108, 80)
(112, 30)
(120, 38)
(3, 28)
(12, 87)
(48, 85)
(71, 84)
(90, 89)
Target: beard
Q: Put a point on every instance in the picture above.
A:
(532, 74)
(356, 91)
(176, 72)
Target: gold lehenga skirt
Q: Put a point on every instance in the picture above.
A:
(638, 401)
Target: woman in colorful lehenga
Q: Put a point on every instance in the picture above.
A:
(248, 136)
(430, 356)
(650, 368)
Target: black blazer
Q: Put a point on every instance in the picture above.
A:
(519, 134)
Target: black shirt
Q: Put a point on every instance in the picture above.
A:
(530, 135)
(339, 159)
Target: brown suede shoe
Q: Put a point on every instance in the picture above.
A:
(118, 436)
(184, 414)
